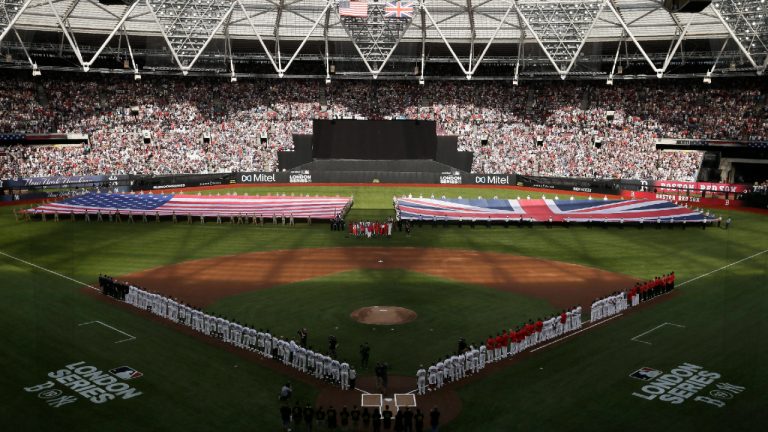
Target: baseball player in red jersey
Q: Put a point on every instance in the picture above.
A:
(511, 338)
(497, 346)
(504, 343)
(489, 346)
(563, 318)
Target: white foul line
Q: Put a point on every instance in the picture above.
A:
(722, 268)
(129, 338)
(50, 271)
(635, 339)
(576, 332)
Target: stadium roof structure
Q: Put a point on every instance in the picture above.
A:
(478, 38)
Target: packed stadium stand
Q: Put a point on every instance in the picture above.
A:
(567, 117)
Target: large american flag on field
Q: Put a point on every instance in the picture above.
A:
(197, 205)
(541, 210)
(353, 8)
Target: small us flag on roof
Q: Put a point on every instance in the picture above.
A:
(353, 8)
(398, 10)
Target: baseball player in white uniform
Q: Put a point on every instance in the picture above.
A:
(327, 363)
(224, 329)
(432, 377)
(459, 364)
(577, 315)
(481, 358)
(421, 380)
(268, 340)
(335, 370)
(440, 373)
(311, 361)
(301, 352)
(292, 348)
(319, 366)
(344, 375)
(183, 314)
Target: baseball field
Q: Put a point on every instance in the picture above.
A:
(458, 282)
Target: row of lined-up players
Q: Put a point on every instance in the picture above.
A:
(289, 353)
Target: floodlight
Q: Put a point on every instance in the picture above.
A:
(327, 80)
(421, 81)
(35, 70)
(136, 77)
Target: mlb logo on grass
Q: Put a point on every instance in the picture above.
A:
(645, 374)
(125, 373)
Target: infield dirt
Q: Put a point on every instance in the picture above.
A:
(203, 282)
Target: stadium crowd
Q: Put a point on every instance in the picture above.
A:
(177, 113)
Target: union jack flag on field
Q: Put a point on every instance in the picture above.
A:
(542, 210)
(353, 8)
(398, 10)
(194, 205)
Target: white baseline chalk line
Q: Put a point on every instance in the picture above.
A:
(722, 268)
(576, 332)
(636, 338)
(129, 338)
(49, 271)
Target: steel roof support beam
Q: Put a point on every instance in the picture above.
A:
(325, 39)
(112, 34)
(448, 45)
(717, 59)
(258, 36)
(26, 53)
(470, 71)
(659, 72)
(672, 53)
(278, 18)
(520, 49)
(66, 35)
(736, 39)
(562, 42)
(490, 41)
(185, 68)
(70, 9)
(13, 20)
(375, 38)
(472, 33)
(615, 62)
(281, 71)
(423, 41)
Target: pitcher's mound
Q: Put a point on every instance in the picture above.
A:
(383, 315)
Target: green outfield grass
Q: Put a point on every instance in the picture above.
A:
(325, 303)
(579, 384)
